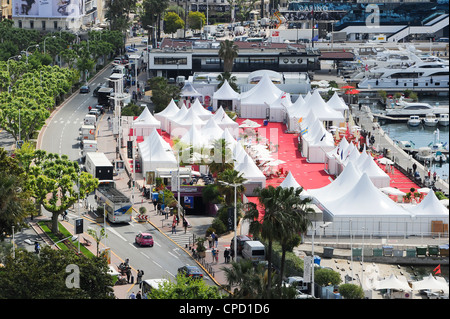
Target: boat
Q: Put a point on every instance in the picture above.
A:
(439, 157)
(421, 74)
(414, 120)
(430, 120)
(443, 119)
(406, 145)
(403, 108)
(424, 154)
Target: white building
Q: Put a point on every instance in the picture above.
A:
(55, 15)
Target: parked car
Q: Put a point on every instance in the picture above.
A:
(241, 239)
(144, 239)
(85, 89)
(191, 271)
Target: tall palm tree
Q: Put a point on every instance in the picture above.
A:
(228, 51)
(228, 77)
(221, 157)
(231, 176)
(247, 281)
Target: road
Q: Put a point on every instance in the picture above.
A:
(61, 136)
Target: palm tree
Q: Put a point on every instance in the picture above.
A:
(228, 51)
(222, 158)
(230, 176)
(227, 76)
(247, 281)
(296, 218)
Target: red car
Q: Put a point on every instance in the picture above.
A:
(144, 239)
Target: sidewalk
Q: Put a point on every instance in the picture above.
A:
(197, 224)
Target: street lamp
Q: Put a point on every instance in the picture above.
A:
(312, 253)
(235, 185)
(73, 238)
(34, 45)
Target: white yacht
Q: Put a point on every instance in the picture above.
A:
(432, 74)
(414, 120)
(443, 120)
(403, 109)
(430, 120)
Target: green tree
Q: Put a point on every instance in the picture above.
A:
(351, 291)
(230, 176)
(246, 280)
(163, 93)
(228, 51)
(227, 76)
(118, 13)
(221, 157)
(326, 277)
(172, 22)
(48, 276)
(196, 20)
(185, 288)
(15, 201)
(151, 14)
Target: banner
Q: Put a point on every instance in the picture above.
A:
(48, 8)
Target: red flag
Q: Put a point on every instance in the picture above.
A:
(437, 270)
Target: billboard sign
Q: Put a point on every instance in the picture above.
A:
(48, 8)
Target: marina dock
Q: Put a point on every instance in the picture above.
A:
(401, 158)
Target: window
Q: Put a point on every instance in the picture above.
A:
(43, 25)
(55, 25)
(31, 24)
(20, 24)
(212, 61)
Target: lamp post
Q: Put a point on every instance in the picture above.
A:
(235, 185)
(46, 40)
(34, 45)
(312, 253)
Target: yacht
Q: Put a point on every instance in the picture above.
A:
(430, 120)
(429, 74)
(414, 120)
(403, 109)
(443, 120)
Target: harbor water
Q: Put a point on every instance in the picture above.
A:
(422, 135)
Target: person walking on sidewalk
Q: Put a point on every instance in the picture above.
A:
(226, 255)
(174, 227)
(185, 225)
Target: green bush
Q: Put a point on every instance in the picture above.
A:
(219, 226)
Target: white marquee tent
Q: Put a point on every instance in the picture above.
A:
(295, 112)
(200, 111)
(277, 109)
(251, 173)
(253, 102)
(338, 104)
(334, 158)
(376, 174)
(182, 125)
(227, 123)
(225, 95)
(154, 154)
(172, 121)
(164, 116)
(211, 130)
(316, 142)
(145, 123)
(194, 137)
(322, 110)
(428, 210)
(365, 208)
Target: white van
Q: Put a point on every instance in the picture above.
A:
(87, 132)
(90, 119)
(89, 146)
(148, 285)
(254, 250)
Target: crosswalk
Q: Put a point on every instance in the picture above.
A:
(181, 238)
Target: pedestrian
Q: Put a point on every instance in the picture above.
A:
(216, 240)
(414, 166)
(226, 255)
(139, 295)
(140, 273)
(132, 295)
(155, 203)
(213, 253)
(37, 247)
(159, 208)
(90, 108)
(128, 275)
(178, 219)
(210, 241)
(217, 256)
(429, 174)
(174, 227)
(434, 176)
(232, 254)
(185, 225)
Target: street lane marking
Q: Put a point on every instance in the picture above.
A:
(170, 273)
(132, 245)
(116, 233)
(157, 264)
(173, 255)
(145, 255)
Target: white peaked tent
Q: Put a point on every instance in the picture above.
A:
(307, 96)
(184, 124)
(188, 92)
(428, 210)
(229, 139)
(338, 104)
(225, 95)
(194, 137)
(294, 112)
(339, 187)
(368, 210)
(334, 158)
(145, 123)
(253, 102)
(289, 181)
(218, 116)
(228, 123)
(200, 111)
(238, 154)
(430, 283)
(322, 110)
(211, 130)
(172, 121)
(376, 174)
(317, 141)
(277, 109)
(170, 111)
(154, 154)
(392, 283)
(352, 154)
(255, 178)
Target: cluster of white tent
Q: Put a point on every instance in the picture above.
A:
(197, 129)
(356, 206)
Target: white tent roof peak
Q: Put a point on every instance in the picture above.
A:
(337, 103)
(146, 117)
(170, 110)
(290, 181)
(226, 92)
(430, 206)
(264, 91)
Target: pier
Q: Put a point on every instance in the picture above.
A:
(383, 143)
